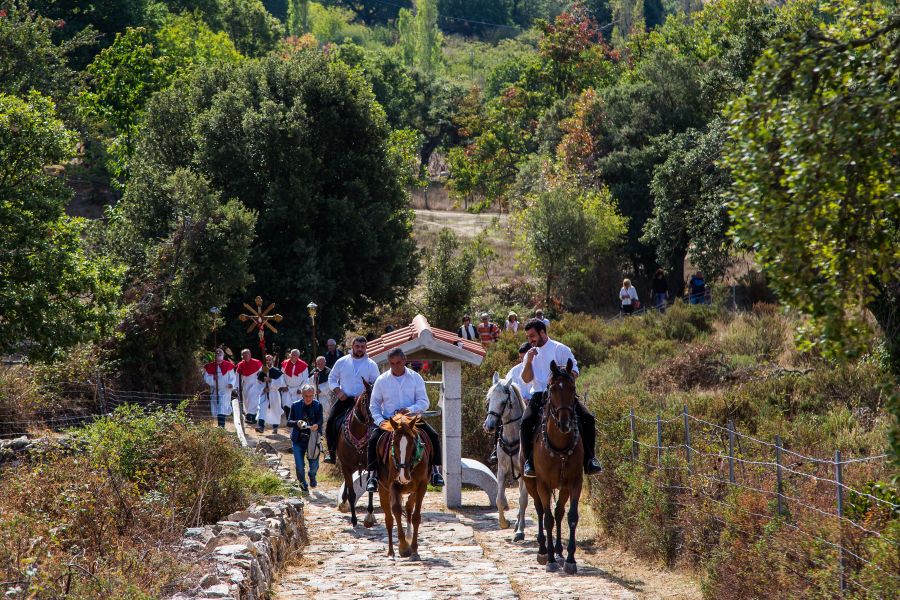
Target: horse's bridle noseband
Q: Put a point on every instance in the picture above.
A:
(507, 403)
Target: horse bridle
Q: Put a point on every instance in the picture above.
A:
(507, 403)
(418, 449)
(554, 414)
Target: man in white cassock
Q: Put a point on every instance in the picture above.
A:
(296, 374)
(219, 376)
(273, 383)
(250, 387)
(400, 390)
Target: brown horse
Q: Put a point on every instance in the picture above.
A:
(403, 469)
(353, 440)
(558, 458)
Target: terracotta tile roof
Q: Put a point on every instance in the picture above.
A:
(414, 330)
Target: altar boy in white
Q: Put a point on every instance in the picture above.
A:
(219, 376)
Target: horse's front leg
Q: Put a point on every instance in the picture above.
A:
(417, 520)
(384, 495)
(369, 521)
(397, 510)
(570, 566)
(523, 505)
(541, 536)
(502, 504)
(559, 513)
(351, 498)
(548, 525)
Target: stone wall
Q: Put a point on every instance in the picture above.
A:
(241, 555)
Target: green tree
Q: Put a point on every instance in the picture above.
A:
(688, 212)
(54, 292)
(199, 259)
(564, 230)
(297, 17)
(420, 38)
(448, 280)
(813, 152)
(301, 141)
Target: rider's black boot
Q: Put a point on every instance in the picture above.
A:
(493, 458)
(436, 479)
(529, 418)
(588, 426)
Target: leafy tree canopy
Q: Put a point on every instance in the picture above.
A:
(300, 141)
(813, 152)
(54, 292)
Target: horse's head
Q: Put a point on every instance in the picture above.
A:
(498, 399)
(562, 396)
(405, 445)
(361, 406)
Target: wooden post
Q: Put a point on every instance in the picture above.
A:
(839, 477)
(687, 439)
(634, 448)
(778, 473)
(730, 450)
(658, 440)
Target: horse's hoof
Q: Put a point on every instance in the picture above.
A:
(571, 568)
(519, 537)
(369, 521)
(353, 522)
(542, 559)
(552, 567)
(344, 507)
(405, 552)
(414, 557)
(504, 524)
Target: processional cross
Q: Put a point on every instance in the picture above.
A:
(259, 320)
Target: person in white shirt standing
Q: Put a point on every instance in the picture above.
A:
(536, 371)
(346, 379)
(219, 376)
(400, 390)
(514, 375)
(628, 296)
(250, 386)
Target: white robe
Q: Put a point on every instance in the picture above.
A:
(293, 383)
(251, 390)
(220, 405)
(270, 404)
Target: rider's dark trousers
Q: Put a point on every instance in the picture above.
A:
(338, 410)
(586, 423)
(436, 455)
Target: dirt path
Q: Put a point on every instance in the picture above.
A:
(464, 555)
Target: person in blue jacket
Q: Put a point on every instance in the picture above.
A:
(305, 421)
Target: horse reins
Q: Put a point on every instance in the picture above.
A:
(509, 448)
(554, 414)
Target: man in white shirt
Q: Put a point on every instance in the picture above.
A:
(536, 372)
(400, 390)
(514, 375)
(346, 379)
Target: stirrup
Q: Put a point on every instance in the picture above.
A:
(528, 469)
(329, 460)
(592, 466)
(437, 480)
(372, 485)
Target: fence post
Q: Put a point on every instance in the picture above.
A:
(658, 440)
(730, 450)
(839, 477)
(687, 439)
(634, 447)
(778, 472)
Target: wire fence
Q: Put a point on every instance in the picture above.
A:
(832, 501)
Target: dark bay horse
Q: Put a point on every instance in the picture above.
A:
(403, 469)
(558, 458)
(353, 440)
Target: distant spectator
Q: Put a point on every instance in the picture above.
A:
(467, 331)
(539, 314)
(628, 296)
(696, 288)
(488, 331)
(660, 288)
(512, 322)
(333, 353)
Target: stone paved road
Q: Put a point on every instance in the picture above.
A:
(341, 562)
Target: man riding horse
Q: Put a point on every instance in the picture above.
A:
(400, 390)
(537, 373)
(346, 379)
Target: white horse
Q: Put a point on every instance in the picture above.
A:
(505, 410)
